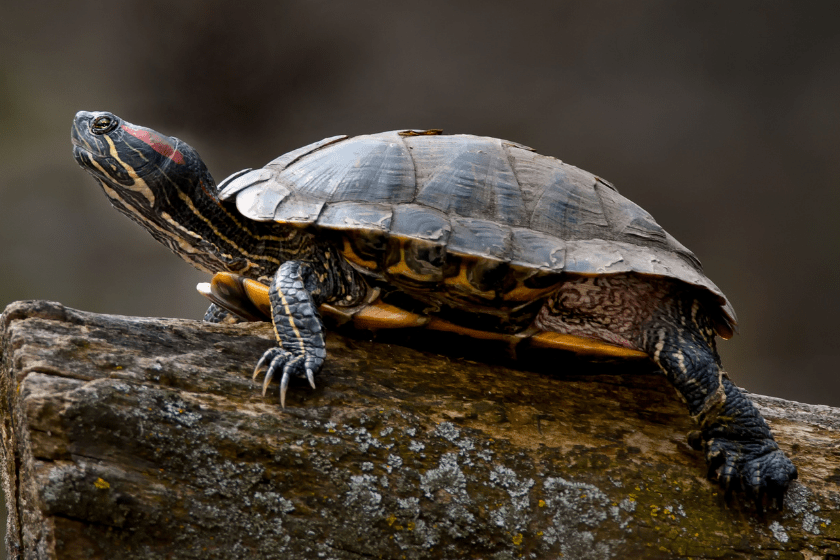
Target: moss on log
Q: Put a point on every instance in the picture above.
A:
(129, 437)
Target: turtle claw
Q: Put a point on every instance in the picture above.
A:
(268, 375)
(760, 469)
(272, 361)
(769, 476)
(275, 360)
(268, 356)
(284, 385)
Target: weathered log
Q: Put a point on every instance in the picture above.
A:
(129, 437)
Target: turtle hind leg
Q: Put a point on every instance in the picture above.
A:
(739, 447)
(235, 299)
(218, 314)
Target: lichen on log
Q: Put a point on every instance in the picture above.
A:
(129, 437)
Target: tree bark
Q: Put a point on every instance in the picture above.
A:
(129, 437)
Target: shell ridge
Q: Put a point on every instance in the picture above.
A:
(563, 204)
(409, 151)
(683, 252)
(290, 158)
(460, 183)
(487, 171)
(612, 225)
(381, 173)
(395, 176)
(535, 206)
(510, 161)
(630, 221)
(432, 180)
(512, 199)
(445, 185)
(505, 201)
(606, 183)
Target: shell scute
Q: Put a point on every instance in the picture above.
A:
(480, 238)
(560, 199)
(372, 169)
(535, 249)
(420, 222)
(261, 202)
(298, 209)
(627, 218)
(594, 257)
(356, 216)
(241, 180)
(467, 176)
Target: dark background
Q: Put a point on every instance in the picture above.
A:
(720, 118)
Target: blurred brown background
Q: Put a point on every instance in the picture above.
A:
(720, 118)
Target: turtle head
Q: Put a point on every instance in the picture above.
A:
(158, 181)
(138, 166)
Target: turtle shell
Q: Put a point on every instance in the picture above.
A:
(421, 209)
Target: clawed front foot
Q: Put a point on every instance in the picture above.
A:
(276, 360)
(759, 468)
(297, 325)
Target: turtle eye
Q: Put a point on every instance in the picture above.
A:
(103, 124)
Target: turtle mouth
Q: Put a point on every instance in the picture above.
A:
(84, 144)
(102, 165)
(85, 158)
(86, 154)
(79, 143)
(93, 163)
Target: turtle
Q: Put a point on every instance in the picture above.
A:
(415, 228)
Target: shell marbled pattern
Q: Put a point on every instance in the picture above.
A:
(474, 196)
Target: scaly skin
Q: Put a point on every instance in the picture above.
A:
(297, 325)
(295, 293)
(217, 314)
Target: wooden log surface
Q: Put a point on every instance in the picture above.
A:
(129, 437)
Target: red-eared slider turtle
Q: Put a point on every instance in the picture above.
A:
(465, 233)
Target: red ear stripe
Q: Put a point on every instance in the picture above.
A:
(157, 142)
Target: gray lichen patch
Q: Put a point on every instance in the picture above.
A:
(802, 507)
(779, 532)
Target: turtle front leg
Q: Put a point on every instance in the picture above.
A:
(297, 326)
(739, 447)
